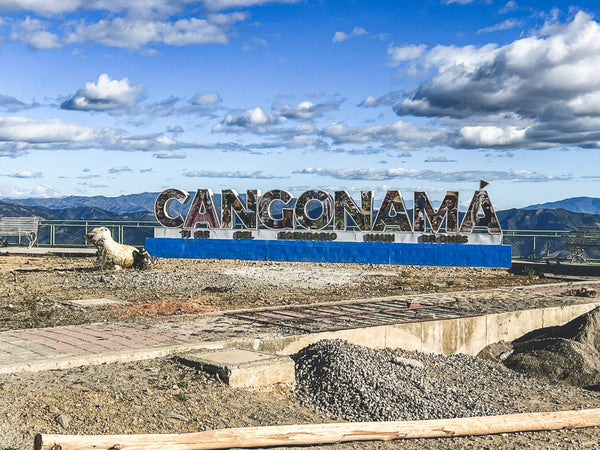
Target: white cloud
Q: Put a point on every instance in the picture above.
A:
(219, 5)
(35, 33)
(169, 155)
(431, 175)
(136, 8)
(132, 33)
(238, 174)
(39, 190)
(252, 118)
(540, 91)
(492, 136)
(460, 2)
(387, 99)
(509, 7)
(119, 169)
(208, 99)
(18, 135)
(26, 174)
(396, 55)
(439, 159)
(143, 23)
(55, 7)
(305, 109)
(105, 94)
(506, 25)
(341, 36)
(400, 134)
(25, 130)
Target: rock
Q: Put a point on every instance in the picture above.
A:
(53, 409)
(63, 420)
(496, 351)
(173, 415)
(408, 362)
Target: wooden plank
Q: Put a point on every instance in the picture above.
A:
(326, 433)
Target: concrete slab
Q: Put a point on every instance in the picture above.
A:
(72, 346)
(243, 368)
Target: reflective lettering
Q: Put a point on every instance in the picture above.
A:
(232, 206)
(423, 211)
(346, 207)
(161, 207)
(302, 209)
(202, 210)
(392, 213)
(487, 218)
(265, 210)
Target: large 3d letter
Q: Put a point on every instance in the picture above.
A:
(161, 207)
(232, 204)
(481, 202)
(302, 209)
(361, 217)
(392, 213)
(265, 206)
(423, 210)
(202, 210)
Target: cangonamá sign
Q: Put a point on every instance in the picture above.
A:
(320, 226)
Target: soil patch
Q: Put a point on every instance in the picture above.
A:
(568, 353)
(163, 396)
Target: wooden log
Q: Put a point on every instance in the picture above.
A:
(325, 433)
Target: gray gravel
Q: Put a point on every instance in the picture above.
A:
(356, 383)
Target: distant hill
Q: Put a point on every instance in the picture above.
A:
(121, 204)
(546, 219)
(587, 205)
(71, 213)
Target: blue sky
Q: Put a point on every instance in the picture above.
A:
(111, 97)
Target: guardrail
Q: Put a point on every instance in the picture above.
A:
(544, 245)
(71, 233)
(526, 244)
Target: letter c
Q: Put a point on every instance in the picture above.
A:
(161, 207)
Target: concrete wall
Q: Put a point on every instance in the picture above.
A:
(465, 335)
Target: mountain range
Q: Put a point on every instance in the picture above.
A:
(121, 204)
(588, 205)
(72, 213)
(567, 214)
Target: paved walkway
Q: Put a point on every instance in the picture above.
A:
(71, 346)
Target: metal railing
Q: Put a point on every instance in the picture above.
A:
(71, 233)
(545, 245)
(526, 244)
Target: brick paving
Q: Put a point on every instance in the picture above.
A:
(23, 349)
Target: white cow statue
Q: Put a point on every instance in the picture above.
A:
(111, 254)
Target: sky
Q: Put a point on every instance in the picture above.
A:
(113, 97)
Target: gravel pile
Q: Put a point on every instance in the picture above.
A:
(361, 384)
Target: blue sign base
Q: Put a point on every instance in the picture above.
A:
(422, 254)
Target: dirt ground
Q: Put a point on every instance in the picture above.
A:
(163, 396)
(35, 291)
